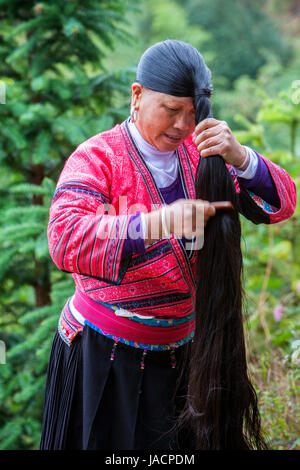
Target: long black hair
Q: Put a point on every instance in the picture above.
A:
(221, 405)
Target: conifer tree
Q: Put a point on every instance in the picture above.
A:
(57, 94)
(242, 36)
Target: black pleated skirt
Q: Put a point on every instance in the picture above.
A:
(106, 397)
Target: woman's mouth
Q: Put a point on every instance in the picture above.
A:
(173, 139)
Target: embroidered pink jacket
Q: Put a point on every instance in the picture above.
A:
(102, 170)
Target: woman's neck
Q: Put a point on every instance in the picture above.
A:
(146, 149)
(163, 165)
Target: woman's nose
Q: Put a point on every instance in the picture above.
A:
(183, 122)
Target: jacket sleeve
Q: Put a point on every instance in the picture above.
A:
(259, 211)
(82, 237)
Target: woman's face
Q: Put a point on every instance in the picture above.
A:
(164, 121)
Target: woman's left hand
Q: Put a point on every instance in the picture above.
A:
(214, 137)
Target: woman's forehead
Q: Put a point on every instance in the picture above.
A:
(173, 100)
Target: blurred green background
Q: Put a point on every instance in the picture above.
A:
(65, 74)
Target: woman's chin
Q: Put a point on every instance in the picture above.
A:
(167, 143)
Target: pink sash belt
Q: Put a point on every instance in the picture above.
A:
(108, 321)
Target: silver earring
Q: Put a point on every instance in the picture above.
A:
(133, 113)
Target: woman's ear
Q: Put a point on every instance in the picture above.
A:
(136, 94)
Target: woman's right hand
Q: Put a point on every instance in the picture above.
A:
(183, 218)
(188, 217)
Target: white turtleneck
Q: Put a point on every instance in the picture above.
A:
(163, 165)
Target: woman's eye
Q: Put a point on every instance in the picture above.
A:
(171, 109)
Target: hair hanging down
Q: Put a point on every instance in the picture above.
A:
(221, 404)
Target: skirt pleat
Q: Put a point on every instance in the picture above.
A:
(107, 396)
(62, 387)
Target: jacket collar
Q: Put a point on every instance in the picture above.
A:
(188, 182)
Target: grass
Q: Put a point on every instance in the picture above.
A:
(277, 386)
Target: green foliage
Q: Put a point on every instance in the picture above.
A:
(277, 382)
(67, 67)
(23, 377)
(241, 35)
(272, 274)
(158, 24)
(58, 93)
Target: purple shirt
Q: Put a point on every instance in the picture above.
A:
(261, 184)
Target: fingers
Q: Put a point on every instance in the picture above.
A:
(205, 124)
(210, 208)
(188, 217)
(215, 204)
(205, 210)
(222, 205)
(208, 141)
(213, 137)
(206, 136)
(214, 150)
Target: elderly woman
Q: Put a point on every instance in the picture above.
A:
(117, 372)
